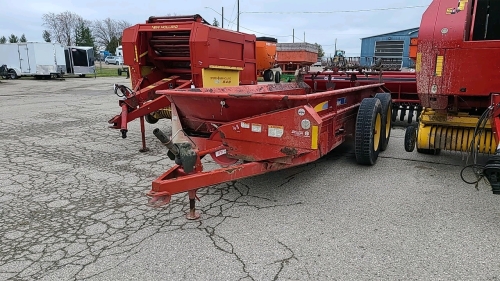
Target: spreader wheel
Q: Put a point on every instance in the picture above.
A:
(368, 131)
(386, 101)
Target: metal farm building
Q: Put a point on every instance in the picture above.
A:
(392, 48)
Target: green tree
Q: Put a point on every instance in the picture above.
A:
(113, 44)
(83, 35)
(13, 39)
(46, 35)
(215, 23)
(3, 40)
(22, 39)
(321, 53)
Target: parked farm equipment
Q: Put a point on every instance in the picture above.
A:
(294, 56)
(178, 52)
(203, 78)
(457, 55)
(266, 55)
(251, 130)
(402, 86)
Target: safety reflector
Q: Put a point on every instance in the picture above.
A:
(439, 65)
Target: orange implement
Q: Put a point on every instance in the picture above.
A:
(265, 53)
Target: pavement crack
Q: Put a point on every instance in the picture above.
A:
(285, 261)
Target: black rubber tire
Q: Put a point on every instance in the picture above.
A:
(150, 119)
(410, 138)
(365, 142)
(119, 72)
(13, 74)
(117, 63)
(82, 75)
(106, 62)
(268, 75)
(386, 101)
(265, 76)
(277, 77)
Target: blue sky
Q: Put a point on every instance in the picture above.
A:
(25, 16)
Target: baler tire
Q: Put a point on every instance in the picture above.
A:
(386, 101)
(150, 119)
(410, 138)
(367, 135)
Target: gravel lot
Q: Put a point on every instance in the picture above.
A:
(72, 203)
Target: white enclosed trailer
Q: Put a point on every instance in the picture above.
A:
(33, 59)
(79, 60)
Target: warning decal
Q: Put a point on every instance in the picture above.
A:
(275, 131)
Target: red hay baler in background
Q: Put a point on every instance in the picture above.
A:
(178, 52)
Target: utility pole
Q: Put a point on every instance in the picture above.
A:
(238, 18)
(222, 17)
(293, 35)
(304, 37)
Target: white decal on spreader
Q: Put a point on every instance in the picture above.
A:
(220, 152)
(257, 128)
(275, 131)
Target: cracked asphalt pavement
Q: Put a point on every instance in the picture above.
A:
(73, 206)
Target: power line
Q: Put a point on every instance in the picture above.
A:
(245, 27)
(334, 12)
(265, 33)
(231, 22)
